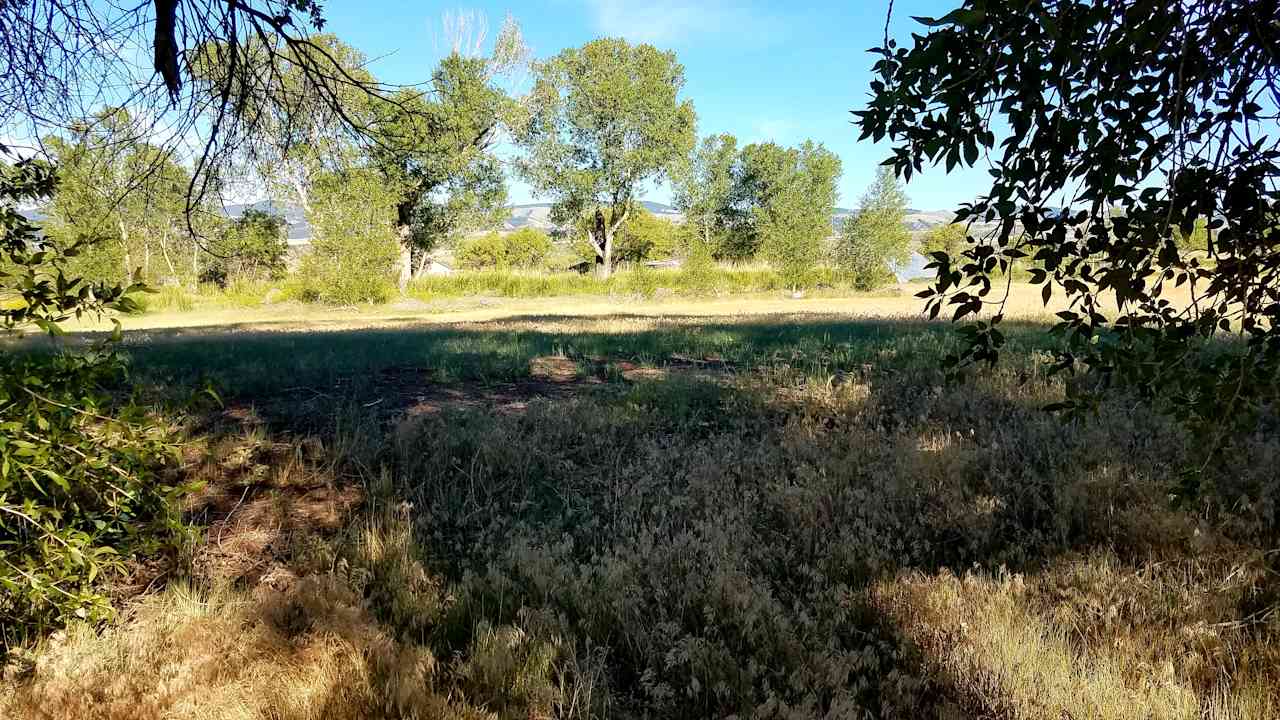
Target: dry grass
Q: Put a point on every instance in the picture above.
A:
(899, 302)
(683, 517)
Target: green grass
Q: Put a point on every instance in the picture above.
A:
(251, 363)
(639, 282)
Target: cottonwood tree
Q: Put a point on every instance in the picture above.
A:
(604, 120)
(704, 185)
(786, 197)
(438, 151)
(1166, 110)
(124, 198)
(876, 237)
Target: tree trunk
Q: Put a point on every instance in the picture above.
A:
(404, 231)
(406, 262)
(422, 267)
(124, 242)
(164, 249)
(606, 255)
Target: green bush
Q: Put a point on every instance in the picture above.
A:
(251, 248)
(84, 481)
(526, 248)
(354, 252)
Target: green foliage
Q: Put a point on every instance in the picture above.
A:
(252, 247)
(704, 185)
(870, 243)
(790, 194)
(1144, 107)
(82, 477)
(526, 248)
(950, 239)
(1197, 238)
(353, 249)
(123, 200)
(604, 119)
(645, 236)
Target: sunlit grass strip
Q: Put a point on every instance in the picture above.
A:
(979, 635)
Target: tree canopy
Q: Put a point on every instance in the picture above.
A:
(785, 197)
(604, 120)
(704, 185)
(876, 238)
(1166, 111)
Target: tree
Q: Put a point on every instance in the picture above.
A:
(874, 240)
(786, 197)
(124, 196)
(252, 247)
(704, 186)
(437, 151)
(604, 120)
(1166, 110)
(354, 250)
(59, 61)
(950, 239)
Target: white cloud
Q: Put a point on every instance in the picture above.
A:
(669, 23)
(777, 130)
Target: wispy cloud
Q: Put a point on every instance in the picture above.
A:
(777, 130)
(670, 23)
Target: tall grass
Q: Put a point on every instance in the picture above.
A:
(781, 518)
(642, 282)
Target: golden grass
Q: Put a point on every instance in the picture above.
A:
(1024, 303)
(986, 637)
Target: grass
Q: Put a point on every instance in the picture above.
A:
(678, 515)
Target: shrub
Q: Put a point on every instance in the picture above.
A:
(82, 478)
(251, 248)
(354, 251)
(644, 236)
(525, 248)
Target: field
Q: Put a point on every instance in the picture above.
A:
(765, 507)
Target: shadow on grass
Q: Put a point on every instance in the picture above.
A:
(677, 516)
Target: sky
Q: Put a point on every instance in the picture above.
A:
(780, 71)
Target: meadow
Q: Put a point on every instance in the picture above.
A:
(766, 507)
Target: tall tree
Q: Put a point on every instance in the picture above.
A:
(877, 237)
(786, 197)
(124, 199)
(604, 120)
(704, 186)
(1165, 110)
(437, 150)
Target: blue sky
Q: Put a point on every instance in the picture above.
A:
(763, 71)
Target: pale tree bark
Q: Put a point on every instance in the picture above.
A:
(605, 231)
(404, 234)
(164, 250)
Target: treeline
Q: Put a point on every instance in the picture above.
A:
(600, 124)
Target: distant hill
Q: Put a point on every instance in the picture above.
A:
(296, 225)
(538, 215)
